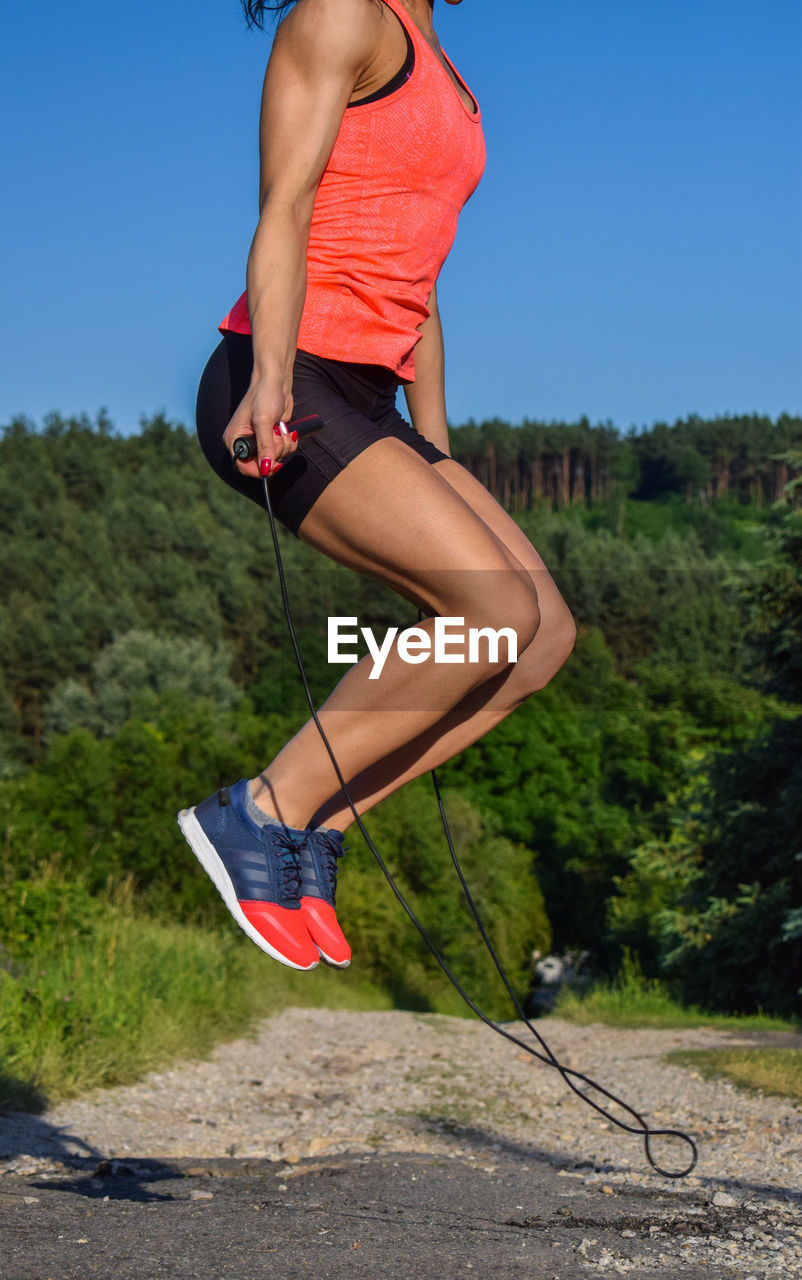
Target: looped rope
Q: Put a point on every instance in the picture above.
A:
(548, 1057)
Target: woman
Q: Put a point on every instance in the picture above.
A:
(370, 145)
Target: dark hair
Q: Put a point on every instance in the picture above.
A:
(255, 10)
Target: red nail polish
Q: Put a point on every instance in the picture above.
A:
(277, 430)
(277, 467)
(265, 466)
(294, 436)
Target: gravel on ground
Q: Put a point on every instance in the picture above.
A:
(311, 1087)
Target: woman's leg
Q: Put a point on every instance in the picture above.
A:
(483, 707)
(395, 517)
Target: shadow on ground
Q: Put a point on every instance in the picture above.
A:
(412, 1216)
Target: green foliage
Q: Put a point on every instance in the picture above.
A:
(585, 780)
(776, 602)
(730, 937)
(647, 594)
(96, 994)
(648, 798)
(101, 536)
(541, 772)
(717, 457)
(713, 906)
(406, 828)
(129, 678)
(103, 811)
(716, 906)
(792, 924)
(571, 464)
(792, 459)
(105, 808)
(631, 999)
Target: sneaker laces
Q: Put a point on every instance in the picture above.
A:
(287, 850)
(329, 850)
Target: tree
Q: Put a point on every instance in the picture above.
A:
(130, 676)
(718, 901)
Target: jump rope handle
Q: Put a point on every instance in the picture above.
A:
(245, 446)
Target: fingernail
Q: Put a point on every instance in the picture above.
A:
(265, 466)
(277, 467)
(277, 430)
(294, 436)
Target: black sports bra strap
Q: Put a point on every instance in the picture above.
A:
(400, 78)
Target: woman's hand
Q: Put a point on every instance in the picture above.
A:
(263, 411)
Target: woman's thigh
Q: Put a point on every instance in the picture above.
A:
(392, 515)
(554, 611)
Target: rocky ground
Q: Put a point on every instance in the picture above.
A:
(314, 1092)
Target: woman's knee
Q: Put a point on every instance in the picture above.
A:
(555, 643)
(562, 638)
(506, 602)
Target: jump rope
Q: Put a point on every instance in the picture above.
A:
(579, 1083)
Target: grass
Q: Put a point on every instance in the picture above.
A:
(104, 1006)
(98, 994)
(773, 1071)
(632, 1000)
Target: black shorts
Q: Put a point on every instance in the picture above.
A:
(355, 401)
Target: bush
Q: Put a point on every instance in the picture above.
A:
(407, 832)
(132, 674)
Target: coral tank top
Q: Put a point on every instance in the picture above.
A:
(385, 217)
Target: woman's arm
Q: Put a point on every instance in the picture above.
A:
(426, 396)
(318, 56)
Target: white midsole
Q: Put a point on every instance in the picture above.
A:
(212, 864)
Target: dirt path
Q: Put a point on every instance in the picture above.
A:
(315, 1090)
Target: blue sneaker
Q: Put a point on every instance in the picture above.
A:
(319, 857)
(255, 870)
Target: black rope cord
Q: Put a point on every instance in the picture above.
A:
(579, 1083)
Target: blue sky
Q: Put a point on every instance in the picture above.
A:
(634, 252)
